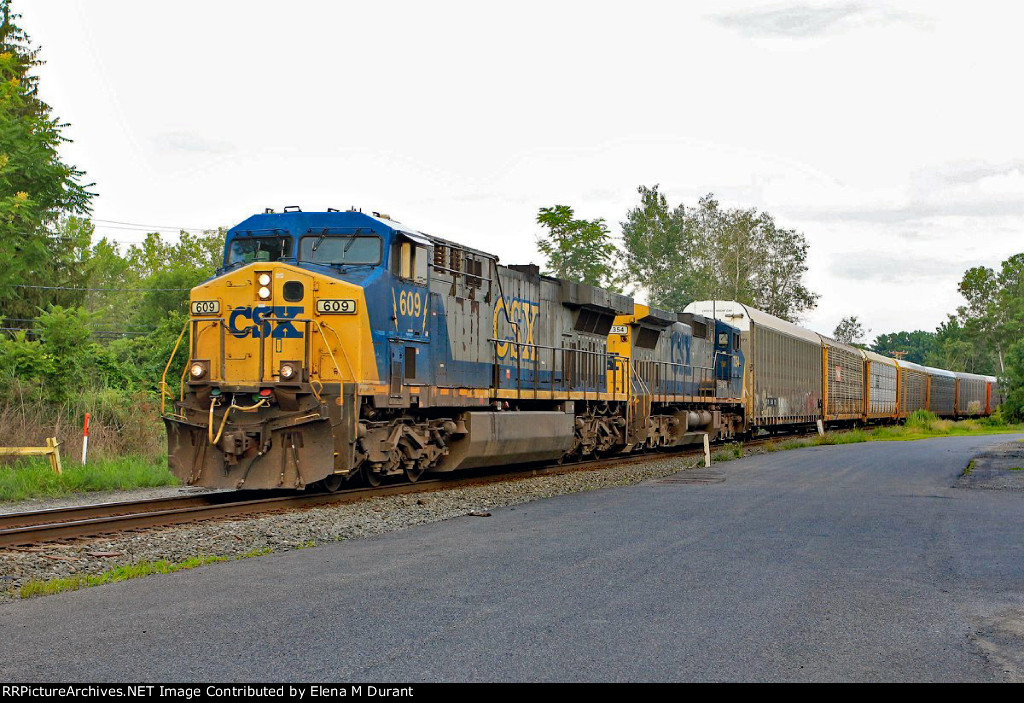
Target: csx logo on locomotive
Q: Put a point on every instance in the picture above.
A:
(280, 328)
(523, 314)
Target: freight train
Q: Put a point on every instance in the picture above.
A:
(335, 345)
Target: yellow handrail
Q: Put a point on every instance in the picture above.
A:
(341, 346)
(164, 395)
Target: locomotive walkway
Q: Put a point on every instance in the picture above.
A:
(851, 562)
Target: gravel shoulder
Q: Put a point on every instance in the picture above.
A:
(998, 468)
(290, 530)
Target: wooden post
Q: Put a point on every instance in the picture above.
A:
(51, 451)
(821, 428)
(707, 451)
(54, 455)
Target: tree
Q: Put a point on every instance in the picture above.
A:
(994, 315)
(577, 250)
(1013, 382)
(37, 187)
(850, 331)
(951, 348)
(684, 254)
(779, 262)
(661, 253)
(979, 318)
(912, 346)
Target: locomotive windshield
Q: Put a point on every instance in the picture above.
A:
(246, 250)
(334, 249)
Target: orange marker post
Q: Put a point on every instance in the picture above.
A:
(85, 439)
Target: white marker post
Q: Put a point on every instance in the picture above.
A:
(707, 450)
(85, 439)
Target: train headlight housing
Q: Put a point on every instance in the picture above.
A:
(289, 370)
(198, 370)
(263, 279)
(263, 293)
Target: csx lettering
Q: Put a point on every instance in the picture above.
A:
(679, 349)
(280, 328)
(410, 303)
(523, 315)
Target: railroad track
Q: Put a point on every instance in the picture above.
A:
(72, 523)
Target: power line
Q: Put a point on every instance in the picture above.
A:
(99, 333)
(140, 225)
(119, 290)
(36, 320)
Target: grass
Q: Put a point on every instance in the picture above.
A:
(35, 587)
(34, 478)
(923, 425)
(49, 587)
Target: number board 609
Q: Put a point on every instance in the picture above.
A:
(326, 306)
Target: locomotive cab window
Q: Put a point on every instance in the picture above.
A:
(333, 249)
(245, 250)
(410, 261)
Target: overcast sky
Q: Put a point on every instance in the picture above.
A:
(889, 133)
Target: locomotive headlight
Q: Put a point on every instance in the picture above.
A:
(263, 279)
(287, 371)
(197, 370)
(264, 292)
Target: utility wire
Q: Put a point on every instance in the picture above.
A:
(137, 224)
(119, 290)
(36, 319)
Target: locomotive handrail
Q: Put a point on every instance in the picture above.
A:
(706, 373)
(319, 328)
(163, 378)
(598, 380)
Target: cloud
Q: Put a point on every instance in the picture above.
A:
(191, 142)
(974, 189)
(1010, 207)
(869, 266)
(809, 21)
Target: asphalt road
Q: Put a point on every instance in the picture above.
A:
(856, 562)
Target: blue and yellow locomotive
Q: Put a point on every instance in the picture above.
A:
(341, 344)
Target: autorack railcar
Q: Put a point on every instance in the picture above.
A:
(794, 377)
(914, 386)
(783, 365)
(942, 392)
(882, 387)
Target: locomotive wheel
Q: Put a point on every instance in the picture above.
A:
(333, 483)
(372, 477)
(413, 475)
